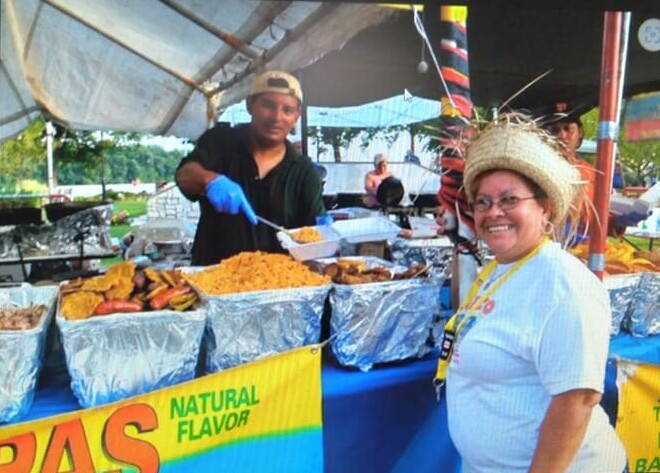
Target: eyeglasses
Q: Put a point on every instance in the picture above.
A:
(504, 203)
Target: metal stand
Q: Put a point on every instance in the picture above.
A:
(80, 237)
(17, 241)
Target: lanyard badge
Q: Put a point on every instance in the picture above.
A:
(473, 303)
(447, 344)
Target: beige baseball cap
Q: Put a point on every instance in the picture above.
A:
(277, 82)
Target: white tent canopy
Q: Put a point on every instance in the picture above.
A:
(155, 66)
(402, 109)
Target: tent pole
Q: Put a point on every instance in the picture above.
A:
(607, 134)
(50, 134)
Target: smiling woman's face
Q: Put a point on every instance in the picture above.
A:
(511, 233)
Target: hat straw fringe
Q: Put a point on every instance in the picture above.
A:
(516, 142)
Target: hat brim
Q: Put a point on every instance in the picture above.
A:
(512, 148)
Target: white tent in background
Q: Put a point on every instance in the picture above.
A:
(401, 109)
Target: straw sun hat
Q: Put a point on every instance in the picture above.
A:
(521, 146)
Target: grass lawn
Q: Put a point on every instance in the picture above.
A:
(135, 208)
(639, 242)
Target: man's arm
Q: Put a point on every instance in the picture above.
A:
(370, 184)
(192, 178)
(225, 195)
(563, 429)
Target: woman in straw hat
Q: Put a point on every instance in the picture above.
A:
(524, 357)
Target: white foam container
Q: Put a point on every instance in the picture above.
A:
(308, 251)
(361, 230)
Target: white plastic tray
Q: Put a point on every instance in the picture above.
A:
(366, 229)
(307, 251)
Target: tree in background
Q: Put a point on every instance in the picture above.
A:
(338, 138)
(335, 138)
(83, 157)
(23, 157)
(639, 159)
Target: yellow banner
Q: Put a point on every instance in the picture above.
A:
(261, 408)
(638, 417)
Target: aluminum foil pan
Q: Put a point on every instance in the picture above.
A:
(644, 311)
(248, 326)
(21, 351)
(121, 355)
(62, 238)
(435, 252)
(385, 321)
(622, 289)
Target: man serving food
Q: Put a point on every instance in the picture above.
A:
(249, 170)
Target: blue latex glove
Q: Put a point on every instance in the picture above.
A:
(630, 220)
(226, 196)
(324, 220)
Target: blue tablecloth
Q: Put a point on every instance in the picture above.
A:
(642, 349)
(386, 420)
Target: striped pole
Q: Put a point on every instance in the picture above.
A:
(456, 110)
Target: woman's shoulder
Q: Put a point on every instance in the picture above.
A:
(561, 259)
(567, 270)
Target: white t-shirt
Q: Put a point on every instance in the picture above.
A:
(547, 332)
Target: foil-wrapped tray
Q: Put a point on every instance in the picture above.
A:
(21, 351)
(383, 321)
(116, 356)
(435, 252)
(251, 325)
(63, 239)
(643, 317)
(621, 289)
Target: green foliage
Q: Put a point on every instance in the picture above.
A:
(83, 157)
(31, 186)
(135, 207)
(388, 134)
(23, 157)
(124, 164)
(639, 159)
(336, 138)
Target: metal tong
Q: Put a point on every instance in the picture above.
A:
(277, 227)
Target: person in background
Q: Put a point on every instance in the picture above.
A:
(411, 158)
(249, 170)
(524, 356)
(569, 130)
(373, 179)
(618, 180)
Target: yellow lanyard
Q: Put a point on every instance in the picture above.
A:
(471, 304)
